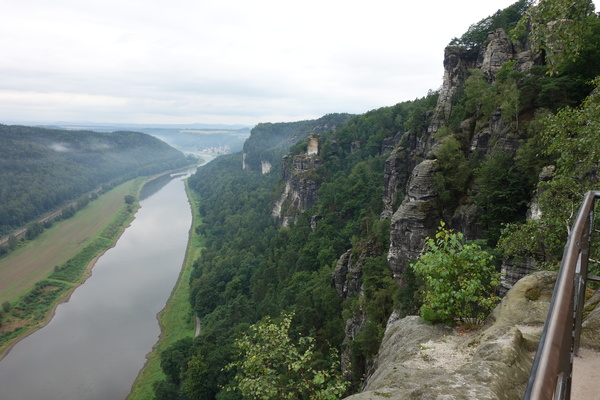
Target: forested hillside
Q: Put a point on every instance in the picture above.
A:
(269, 142)
(469, 156)
(41, 169)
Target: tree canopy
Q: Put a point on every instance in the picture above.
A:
(41, 169)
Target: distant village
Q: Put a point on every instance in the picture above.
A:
(216, 150)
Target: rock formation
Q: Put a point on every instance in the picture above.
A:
(417, 217)
(497, 50)
(422, 361)
(419, 213)
(301, 188)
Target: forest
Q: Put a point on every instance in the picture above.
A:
(42, 169)
(258, 283)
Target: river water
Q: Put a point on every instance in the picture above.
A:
(96, 343)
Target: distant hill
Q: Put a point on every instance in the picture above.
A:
(41, 169)
(208, 138)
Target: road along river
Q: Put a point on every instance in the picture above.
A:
(95, 345)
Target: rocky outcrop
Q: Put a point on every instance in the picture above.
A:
(590, 328)
(496, 51)
(457, 62)
(397, 171)
(347, 276)
(301, 187)
(265, 167)
(269, 142)
(465, 220)
(422, 361)
(417, 217)
(313, 146)
(347, 281)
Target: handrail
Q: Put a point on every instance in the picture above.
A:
(553, 364)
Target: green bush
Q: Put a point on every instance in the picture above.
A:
(459, 280)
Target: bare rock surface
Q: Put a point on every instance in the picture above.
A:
(421, 361)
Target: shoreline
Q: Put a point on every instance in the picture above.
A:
(65, 299)
(144, 376)
(86, 274)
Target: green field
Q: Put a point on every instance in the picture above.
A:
(177, 319)
(36, 259)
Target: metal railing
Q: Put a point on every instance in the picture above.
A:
(551, 373)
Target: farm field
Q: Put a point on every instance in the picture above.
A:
(35, 260)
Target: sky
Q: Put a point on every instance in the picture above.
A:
(221, 61)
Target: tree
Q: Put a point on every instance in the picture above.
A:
(556, 29)
(572, 137)
(34, 229)
(459, 279)
(129, 199)
(165, 390)
(173, 359)
(502, 194)
(195, 382)
(454, 173)
(481, 98)
(273, 366)
(510, 104)
(12, 242)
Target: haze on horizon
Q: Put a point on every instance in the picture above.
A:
(221, 62)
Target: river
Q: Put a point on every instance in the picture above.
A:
(96, 344)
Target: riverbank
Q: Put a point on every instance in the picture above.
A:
(177, 320)
(59, 261)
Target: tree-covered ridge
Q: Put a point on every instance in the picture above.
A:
(41, 169)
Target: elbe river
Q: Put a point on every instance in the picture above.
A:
(97, 342)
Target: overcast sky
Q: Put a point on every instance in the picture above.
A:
(221, 61)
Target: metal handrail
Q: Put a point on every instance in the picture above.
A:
(553, 364)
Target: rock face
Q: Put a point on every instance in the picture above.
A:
(301, 188)
(265, 167)
(497, 50)
(419, 214)
(347, 280)
(457, 62)
(313, 147)
(397, 171)
(422, 361)
(590, 328)
(417, 217)
(347, 276)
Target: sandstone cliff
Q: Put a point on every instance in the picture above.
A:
(420, 212)
(422, 361)
(301, 183)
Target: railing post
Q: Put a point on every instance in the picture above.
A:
(581, 274)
